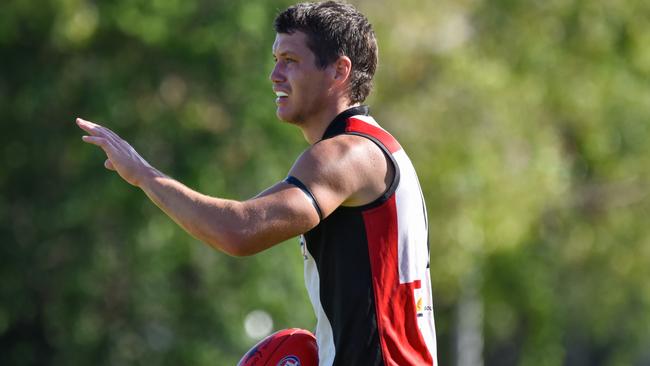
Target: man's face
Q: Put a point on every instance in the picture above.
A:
(301, 87)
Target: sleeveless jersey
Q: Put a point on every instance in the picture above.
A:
(367, 268)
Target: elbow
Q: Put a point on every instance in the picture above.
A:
(235, 244)
(239, 251)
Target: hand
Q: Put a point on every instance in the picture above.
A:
(122, 158)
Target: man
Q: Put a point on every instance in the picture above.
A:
(352, 196)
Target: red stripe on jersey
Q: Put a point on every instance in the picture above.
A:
(357, 125)
(401, 341)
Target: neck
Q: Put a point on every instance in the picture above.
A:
(315, 127)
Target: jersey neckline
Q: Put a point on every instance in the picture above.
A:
(337, 126)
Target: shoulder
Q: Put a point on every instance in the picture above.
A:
(341, 152)
(347, 169)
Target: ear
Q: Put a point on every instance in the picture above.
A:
(342, 69)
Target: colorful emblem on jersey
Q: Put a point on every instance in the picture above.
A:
(419, 307)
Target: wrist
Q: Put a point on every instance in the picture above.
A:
(149, 176)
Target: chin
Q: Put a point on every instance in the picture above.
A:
(288, 117)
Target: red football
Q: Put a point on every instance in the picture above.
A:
(288, 347)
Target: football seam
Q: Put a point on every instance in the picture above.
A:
(278, 347)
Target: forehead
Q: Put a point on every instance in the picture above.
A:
(295, 42)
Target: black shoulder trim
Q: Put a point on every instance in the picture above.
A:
(338, 124)
(296, 182)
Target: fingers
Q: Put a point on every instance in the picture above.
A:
(96, 140)
(87, 125)
(96, 129)
(116, 149)
(103, 137)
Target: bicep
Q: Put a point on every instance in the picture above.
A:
(333, 171)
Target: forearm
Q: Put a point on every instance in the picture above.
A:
(215, 221)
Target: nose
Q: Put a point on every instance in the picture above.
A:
(276, 74)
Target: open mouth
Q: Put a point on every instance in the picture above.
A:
(280, 96)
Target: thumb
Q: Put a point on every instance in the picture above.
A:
(109, 165)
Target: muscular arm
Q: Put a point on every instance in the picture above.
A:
(237, 228)
(244, 228)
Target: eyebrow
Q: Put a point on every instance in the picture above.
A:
(285, 53)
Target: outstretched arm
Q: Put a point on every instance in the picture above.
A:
(346, 170)
(237, 228)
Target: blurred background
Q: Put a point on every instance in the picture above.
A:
(527, 122)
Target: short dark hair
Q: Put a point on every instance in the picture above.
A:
(335, 29)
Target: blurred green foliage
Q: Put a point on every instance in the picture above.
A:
(527, 122)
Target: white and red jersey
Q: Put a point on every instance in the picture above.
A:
(367, 268)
